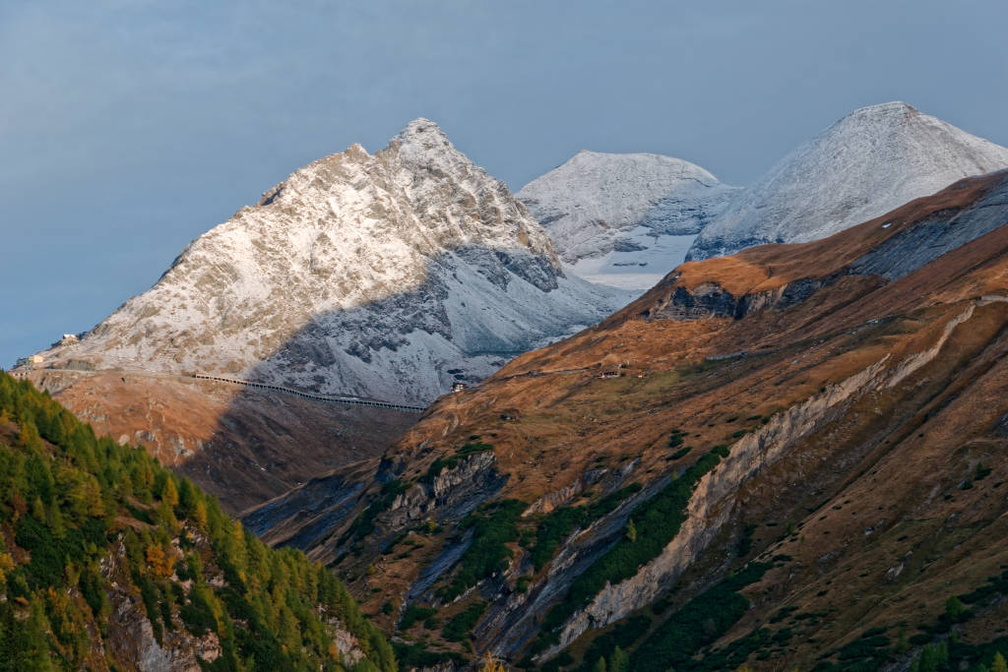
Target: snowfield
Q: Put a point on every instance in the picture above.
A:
(620, 219)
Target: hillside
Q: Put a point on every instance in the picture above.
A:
(367, 277)
(873, 160)
(789, 458)
(109, 561)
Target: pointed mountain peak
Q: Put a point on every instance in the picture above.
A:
(422, 143)
(424, 133)
(872, 160)
(421, 125)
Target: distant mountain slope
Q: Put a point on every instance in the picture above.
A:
(388, 276)
(110, 562)
(624, 219)
(864, 165)
(790, 458)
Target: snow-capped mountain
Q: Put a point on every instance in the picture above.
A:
(871, 161)
(387, 276)
(624, 219)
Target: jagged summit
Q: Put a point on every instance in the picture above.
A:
(619, 218)
(865, 164)
(422, 142)
(422, 131)
(372, 275)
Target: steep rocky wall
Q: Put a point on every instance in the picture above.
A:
(710, 300)
(451, 494)
(712, 503)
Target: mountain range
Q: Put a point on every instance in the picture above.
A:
(623, 219)
(386, 277)
(790, 457)
(793, 455)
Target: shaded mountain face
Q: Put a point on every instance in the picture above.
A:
(788, 458)
(864, 165)
(624, 219)
(388, 276)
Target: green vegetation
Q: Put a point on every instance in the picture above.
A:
(656, 523)
(80, 513)
(415, 613)
(418, 655)
(604, 648)
(941, 650)
(461, 624)
(494, 525)
(364, 523)
(681, 453)
(699, 623)
(558, 525)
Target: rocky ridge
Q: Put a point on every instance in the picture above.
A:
(848, 399)
(387, 276)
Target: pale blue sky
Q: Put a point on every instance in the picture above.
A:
(128, 127)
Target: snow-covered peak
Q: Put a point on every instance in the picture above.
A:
(360, 273)
(872, 160)
(612, 216)
(423, 131)
(423, 143)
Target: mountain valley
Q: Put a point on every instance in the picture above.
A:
(525, 434)
(811, 430)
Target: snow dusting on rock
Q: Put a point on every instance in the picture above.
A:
(624, 219)
(387, 276)
(871, 161)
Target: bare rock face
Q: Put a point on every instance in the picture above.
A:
(871, 161)
(387, 276)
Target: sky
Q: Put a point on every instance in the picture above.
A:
(129, 127)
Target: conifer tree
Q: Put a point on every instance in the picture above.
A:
(620, 661)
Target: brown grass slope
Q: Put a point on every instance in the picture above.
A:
(858, 408)
(243, 445)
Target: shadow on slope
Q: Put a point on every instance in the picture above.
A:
(475, 309)
(945, 256)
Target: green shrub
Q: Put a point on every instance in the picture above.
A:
(460, 626)
(494, 525)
